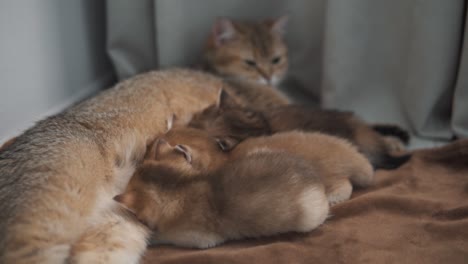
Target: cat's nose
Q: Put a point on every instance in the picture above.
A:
(264, 75)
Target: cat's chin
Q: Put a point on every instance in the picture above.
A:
(273, 82)
(262, 81)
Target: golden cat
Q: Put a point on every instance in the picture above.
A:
(252, 51)
(260, 194)
(251, 56)
(58, 178)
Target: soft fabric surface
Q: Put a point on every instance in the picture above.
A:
(416, 214)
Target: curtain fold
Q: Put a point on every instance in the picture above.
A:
(401, 61)
(394, 61)
(459, 121)
(131, 36)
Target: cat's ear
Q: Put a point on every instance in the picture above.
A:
(153, 149)
(170, 122)
(223, 31)
(128, 200)
(225, 100)
(226, 143)
(279, 24)
(185, 151)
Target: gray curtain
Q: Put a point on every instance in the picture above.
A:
(400, 61)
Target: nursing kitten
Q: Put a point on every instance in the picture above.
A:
(251, 56)
(338, 164)
(260, 194)
(238, 123)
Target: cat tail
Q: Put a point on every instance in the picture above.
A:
(389, 162)
(393, 130)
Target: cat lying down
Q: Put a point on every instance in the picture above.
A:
(192, 193)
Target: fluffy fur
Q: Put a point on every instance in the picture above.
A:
(246, 197)
(238, 123)
(338, 164)
(252, 57)
(57, 179)
(252, 51)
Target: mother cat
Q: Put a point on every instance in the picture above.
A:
(57, 179)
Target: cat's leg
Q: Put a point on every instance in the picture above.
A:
(315, 208)
(339, 191)
(117, 238)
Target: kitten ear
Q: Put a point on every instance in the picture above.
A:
(227, 143)
(153, 149)
(127, 199)
(279, 24)
(184, 150)
(225, 100)
(170, 122)
(223, 31)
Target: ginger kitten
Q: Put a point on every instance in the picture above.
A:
(238, 123)
(339, 165)
(238, 200)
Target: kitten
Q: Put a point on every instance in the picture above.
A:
(259, 194)
(238, 123)
(338, 163)
(252, 57)
(190, 151)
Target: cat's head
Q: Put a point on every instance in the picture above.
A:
(151, 189)
(230, 122)
(252, 51)
(143, 202)
(190, 151)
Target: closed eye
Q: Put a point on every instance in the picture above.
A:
(276, 60)
(250, 62)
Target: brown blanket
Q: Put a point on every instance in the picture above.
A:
(416, 214)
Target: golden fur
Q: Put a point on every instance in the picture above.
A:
(338, 163)
(258, 194)
(252, 57)
(253, 51)
(57, 179)
(227, 118)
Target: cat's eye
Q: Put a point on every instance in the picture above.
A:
(250, 62)
(183, 149)
(276, 60)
